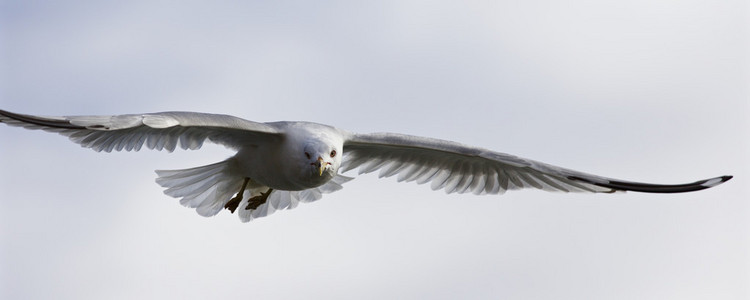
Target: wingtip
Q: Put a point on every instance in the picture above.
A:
(21, 119)
(657, 188)
(3, 115)
(716, 181)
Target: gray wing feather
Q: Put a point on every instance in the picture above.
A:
(166, 130)
(458, 168)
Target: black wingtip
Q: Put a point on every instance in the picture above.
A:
(658, 188)
(40, 121)
(716, 181)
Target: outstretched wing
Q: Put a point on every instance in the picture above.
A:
(459, 168)
(156, 130)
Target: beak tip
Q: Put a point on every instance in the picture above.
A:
(322, 166)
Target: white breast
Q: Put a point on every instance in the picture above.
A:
(282, 165)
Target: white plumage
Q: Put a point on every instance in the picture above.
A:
(280, 164)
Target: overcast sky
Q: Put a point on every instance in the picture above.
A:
(654, 91)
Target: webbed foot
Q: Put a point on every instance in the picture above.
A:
(235, 201)
(257, 201)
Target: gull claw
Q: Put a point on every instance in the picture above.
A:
(235, 201)
(257, 201)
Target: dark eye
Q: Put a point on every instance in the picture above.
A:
(308, 155)
(333, 153)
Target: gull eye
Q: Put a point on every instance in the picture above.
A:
(333, 153)
(307, 154)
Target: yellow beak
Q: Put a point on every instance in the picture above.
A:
(321, 165)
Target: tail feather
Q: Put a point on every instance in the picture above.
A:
(178, 177)
(186, 181)
(209, 188)
(194, 186)
(206, 188)
(279, 200)
(221, 196)
(201, 197)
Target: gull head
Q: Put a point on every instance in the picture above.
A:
(322, 158)
(312, 154)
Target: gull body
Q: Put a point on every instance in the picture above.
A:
(278, 165)
(293, 162)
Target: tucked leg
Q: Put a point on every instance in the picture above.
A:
(256, 201)
(234, 202)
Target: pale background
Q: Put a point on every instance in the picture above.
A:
(652, 91)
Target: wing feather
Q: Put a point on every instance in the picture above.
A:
(160, 131)
(458, 168)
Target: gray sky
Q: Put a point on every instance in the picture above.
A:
(653, 91)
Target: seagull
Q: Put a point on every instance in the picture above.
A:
(278, 165)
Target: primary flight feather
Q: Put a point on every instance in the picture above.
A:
(280, 164)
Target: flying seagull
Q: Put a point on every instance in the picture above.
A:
(280, 164)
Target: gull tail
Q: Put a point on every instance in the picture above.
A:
(279, 199)
(206, 188)
(209, 188)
